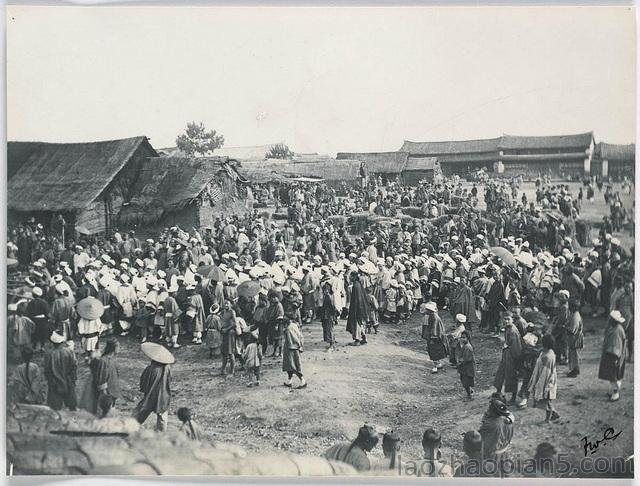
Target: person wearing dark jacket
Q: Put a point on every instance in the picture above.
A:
(509, 367)
(328, 316)
(60, 370)
(358, 311)
(355, 453)
(155, 384)
(495, 301)
(466, 364)
(614, 349)
(496, 430)
(561, 323)
(103, 379)
(38, 311)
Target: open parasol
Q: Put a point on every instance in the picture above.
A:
(231, 275)
(449, 260)
(181, 242)
(434, 261)
(505, 255)
(23, 292)
(525, 258)
(298, 274)
(249, 289)
(368, 267)
(204, 270)
(536, 317)
(90, 308)
(216, 275)
(277, 274)
(555, 215)
(157, 353)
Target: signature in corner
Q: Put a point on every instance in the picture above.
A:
(592, 447)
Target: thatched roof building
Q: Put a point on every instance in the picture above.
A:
(185, 191)
(420, 169)
(85, 182)
(263, 171)
(378, 163)
(331, 171)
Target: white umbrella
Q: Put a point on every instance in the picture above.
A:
(525, 258)
(277, 273)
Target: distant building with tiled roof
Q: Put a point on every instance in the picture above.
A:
(569, 155)
(614, 160)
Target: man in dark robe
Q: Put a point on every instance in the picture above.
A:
(60, 369)
(103, 379)
(307, 288)
(495, 303)
(274, 318)
(106, 298)
(561, 323)
(155, 383)
(212, 293)
(358, 311)
(61, 312)
(259, 320)
(38, 311)
(613, 358)
(463, 301)
(510, 363)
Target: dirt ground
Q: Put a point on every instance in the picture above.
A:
(386, 383)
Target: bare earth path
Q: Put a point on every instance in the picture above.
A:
(386, 383)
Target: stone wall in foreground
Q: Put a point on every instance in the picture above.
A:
(43, 441)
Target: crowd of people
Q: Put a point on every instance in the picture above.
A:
(246, 287)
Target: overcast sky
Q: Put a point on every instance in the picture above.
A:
(320, 79)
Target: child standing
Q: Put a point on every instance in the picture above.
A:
(391, 311)
(293, 346)
(213, 325)
(466, 364)
(372, 317)
(328, 314)
(188, 425)
(252, 355)
(455, 344)
(411, 299)
(401, 302)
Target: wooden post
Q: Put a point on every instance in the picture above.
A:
(106, 216)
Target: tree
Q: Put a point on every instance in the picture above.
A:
(197, 141)
(279, 151)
